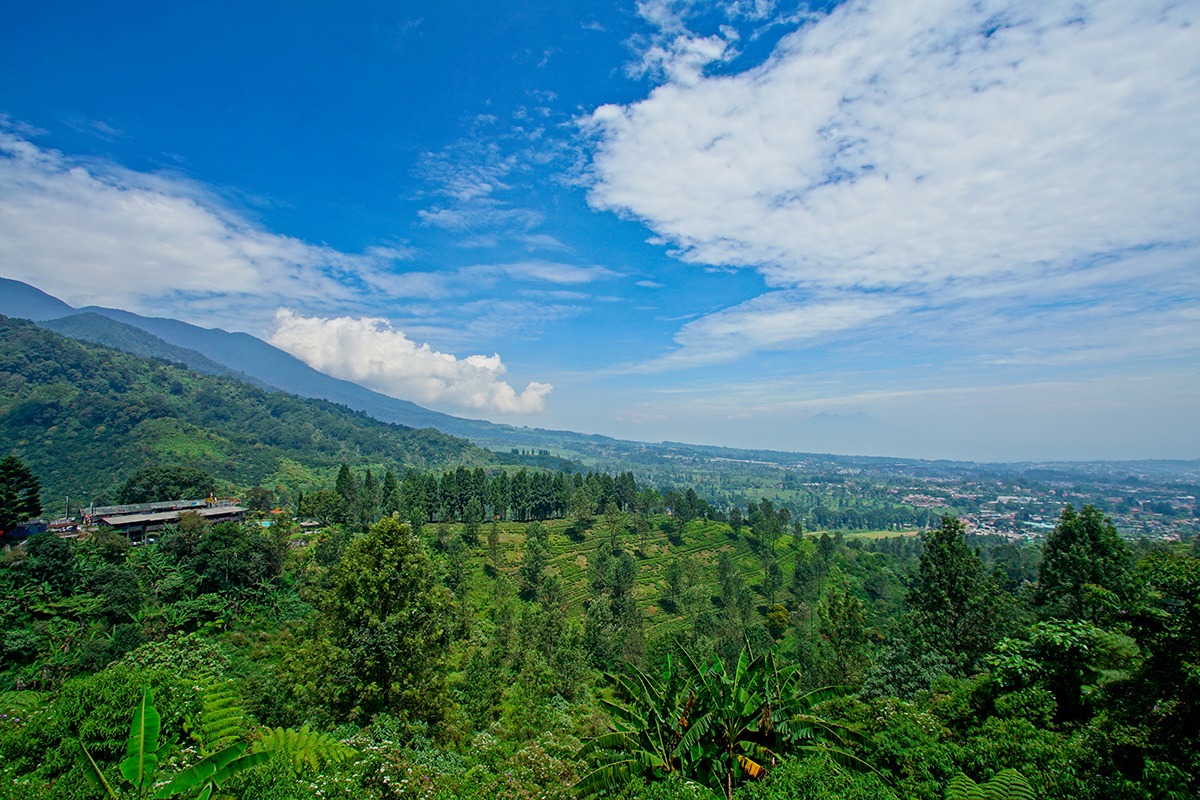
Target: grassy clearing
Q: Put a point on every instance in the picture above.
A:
(880, 534)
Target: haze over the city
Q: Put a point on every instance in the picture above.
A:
(931, 229)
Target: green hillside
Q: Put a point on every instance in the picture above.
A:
(85, 417)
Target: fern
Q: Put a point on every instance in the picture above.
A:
(304, 748)
(962, 787)
(1007, 784)
(222, 719)
(18, 704)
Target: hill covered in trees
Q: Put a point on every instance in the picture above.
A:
(86, 417)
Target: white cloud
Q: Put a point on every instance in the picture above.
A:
(370, 352)
(473, 176)
(94, 233)
(473, 278)
(991, 154)
(548, 271)
(774, 321)
(683, 58)
(493, 319)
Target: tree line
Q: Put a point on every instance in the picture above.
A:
(472, 496)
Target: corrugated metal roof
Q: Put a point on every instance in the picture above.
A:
(167, 516)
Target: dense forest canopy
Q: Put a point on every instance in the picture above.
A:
(86, 418)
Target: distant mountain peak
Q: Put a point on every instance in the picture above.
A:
(22, 301)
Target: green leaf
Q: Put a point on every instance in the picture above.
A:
(212, 771)
(222, 719)
(1008, 784)
(141, 750)
(304, 748)
(20, 702)
(248, 761)
(93, 773)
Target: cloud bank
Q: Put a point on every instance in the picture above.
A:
(370, 352)
(937, 153)
(96, 233)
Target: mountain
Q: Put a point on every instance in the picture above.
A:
(215, 351)
(98, 329)
(252, 359)
(84, 417)
(21, 300)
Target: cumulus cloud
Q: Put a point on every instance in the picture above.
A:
(370, 352)
(941, 152)
(95, 233)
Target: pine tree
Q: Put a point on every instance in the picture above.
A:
(952, 602)
(1085, 568)
(20, 492)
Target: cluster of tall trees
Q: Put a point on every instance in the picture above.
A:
(20, 493)
(472, 496)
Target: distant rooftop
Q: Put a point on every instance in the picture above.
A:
(150, 508)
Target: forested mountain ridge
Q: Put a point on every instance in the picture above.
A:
(102, 330)
(84, 417)
(712, 469)
(238, 354)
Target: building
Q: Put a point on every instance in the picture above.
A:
(137, 521)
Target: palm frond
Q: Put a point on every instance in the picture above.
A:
(94, 776)
(753, 768)
(1010, 785)
(613, 775)
(962, 787)
(1007, 784)
(606, 741)
(141, 749)
(695, 733)
(212, 771)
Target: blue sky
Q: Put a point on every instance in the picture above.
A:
(946, 229)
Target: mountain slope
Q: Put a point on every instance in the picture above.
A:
(239, 353)
(98, 329)
(21, 300)
(255, 360)
(84, 417)
(246, 354)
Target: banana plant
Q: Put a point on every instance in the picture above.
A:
(648, 726)
(143, 756)
(712, 726)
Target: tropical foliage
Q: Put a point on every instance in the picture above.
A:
(714, 726)
(142, 766)
(403, 620)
